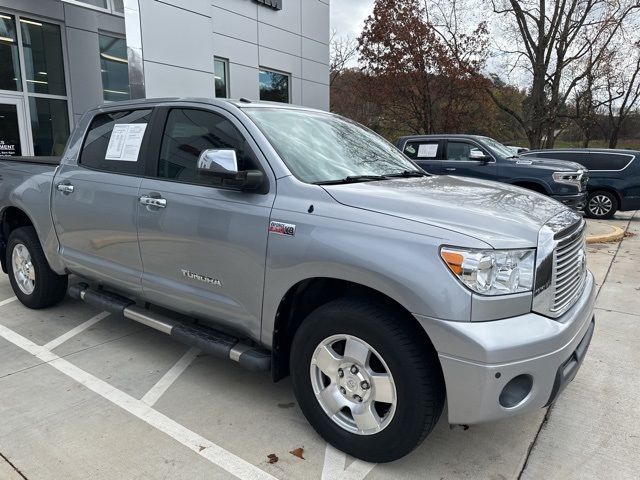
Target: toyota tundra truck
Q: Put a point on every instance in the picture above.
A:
(298, 242)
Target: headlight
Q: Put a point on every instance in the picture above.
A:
(492, 272)
(569, 178)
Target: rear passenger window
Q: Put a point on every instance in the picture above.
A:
(421, 150)
(608, 161)
(187, 133)
(120, 153)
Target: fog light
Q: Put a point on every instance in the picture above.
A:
(516, 391)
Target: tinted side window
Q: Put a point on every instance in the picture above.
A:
(187, 133)
(422, 150)
(121, 154)
(608, 161)
(461, 151)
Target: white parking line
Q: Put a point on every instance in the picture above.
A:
(8, 301)
(334, 466)
(152, 396)
(200, 445)
(56, 342)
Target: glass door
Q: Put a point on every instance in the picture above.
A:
(13, 138)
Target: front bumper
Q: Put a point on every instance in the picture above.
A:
(479, 359)
(576, 201)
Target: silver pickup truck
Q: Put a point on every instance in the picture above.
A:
(299, 242)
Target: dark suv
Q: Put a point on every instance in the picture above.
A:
(482, 157)
(614, 182)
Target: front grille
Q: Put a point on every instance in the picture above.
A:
(583, 182)
(569, 270)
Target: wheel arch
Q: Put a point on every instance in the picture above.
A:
(607, 189)
(309, 294)
(11, 218)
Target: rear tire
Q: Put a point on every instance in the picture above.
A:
(601, 205)
(32, 280)
(390, 402)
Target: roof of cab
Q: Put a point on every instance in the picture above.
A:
(238, 103)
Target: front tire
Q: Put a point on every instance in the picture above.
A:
(32, 280)
(368, 380)
(601, 205)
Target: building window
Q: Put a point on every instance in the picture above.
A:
(49, 124)
(108, 6)
(274, 86)
(114, 68)
(43, 62)
(38, 47)
(9, 61)
(221, 72)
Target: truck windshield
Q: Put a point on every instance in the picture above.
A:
(499, 148)
(324, 148)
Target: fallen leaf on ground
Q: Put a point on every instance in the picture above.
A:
(297, 452)
(273, 458)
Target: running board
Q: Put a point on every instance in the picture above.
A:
(207, 340)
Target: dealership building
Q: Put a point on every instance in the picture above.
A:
(60, 57)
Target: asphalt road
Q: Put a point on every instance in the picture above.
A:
(87, 395)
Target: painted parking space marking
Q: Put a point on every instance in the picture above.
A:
(72, 333)
(200, 445)
(335, 467)
(8, 301)
(153, 395)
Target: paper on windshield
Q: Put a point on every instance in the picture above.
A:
(428, 150)
(125, 142)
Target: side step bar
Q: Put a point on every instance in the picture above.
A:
(209, 341)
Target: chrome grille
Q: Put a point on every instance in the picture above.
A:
(569, 270)
(560, 264)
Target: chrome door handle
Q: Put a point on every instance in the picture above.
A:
(450, 169)
(153, 202)
(65, 187)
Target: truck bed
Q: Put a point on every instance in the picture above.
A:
(33, 160)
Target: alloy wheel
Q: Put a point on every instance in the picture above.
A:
(23, 270)
(600, 205)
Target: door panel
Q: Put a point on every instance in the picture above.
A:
(204, 253)
(95, 201)
(204, 247)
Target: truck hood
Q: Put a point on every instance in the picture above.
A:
(501, 215)
(548, 164)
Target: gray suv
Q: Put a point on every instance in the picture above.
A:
(301, 243)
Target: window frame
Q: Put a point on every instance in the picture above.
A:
(145, 156)
(109, 9)
(227, 76)
(24, 95)
(160, 122)
(279, 72)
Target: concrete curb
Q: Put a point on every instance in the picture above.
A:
(616, 235)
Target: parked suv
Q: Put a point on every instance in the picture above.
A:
(485, 158)
(614, 177)
(302, 243)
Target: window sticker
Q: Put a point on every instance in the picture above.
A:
(125, 142)
(429, 150)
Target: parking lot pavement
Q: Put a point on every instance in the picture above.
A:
(85, 395)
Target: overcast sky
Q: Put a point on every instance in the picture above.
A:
(347, 16)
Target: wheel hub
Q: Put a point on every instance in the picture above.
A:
(353, 384)
(23, 270)
(356, 386)
(600, 205)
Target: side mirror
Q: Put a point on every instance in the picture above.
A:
(477, 154)
(222, 164)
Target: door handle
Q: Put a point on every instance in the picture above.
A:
(65, 187)
(153, 202)
(450, 169)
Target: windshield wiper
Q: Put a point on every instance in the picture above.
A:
(409, 173)
(353, 179)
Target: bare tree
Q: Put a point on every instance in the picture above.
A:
(548, 38)
(343, 50)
